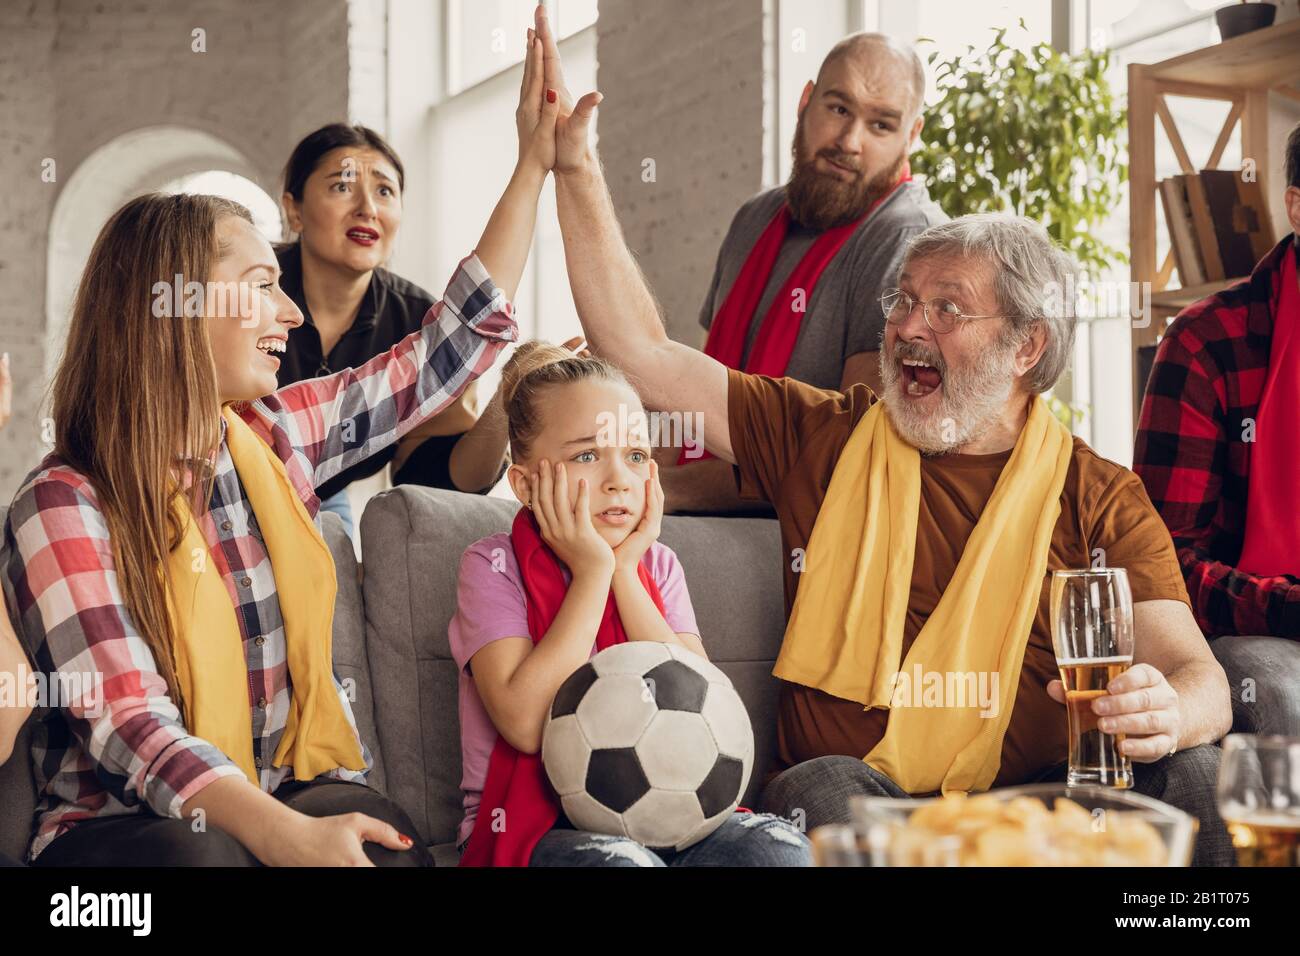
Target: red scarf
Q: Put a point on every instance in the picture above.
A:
(516, 782)
(1273, 483)
(780, 329)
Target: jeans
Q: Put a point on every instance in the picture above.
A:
(341, 506)
(1263, 675)
(817, 792)
(144, 839)
(744, 839)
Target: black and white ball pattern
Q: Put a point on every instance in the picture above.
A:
(648, 741)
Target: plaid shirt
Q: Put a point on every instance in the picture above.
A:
(132, 750)
(1193, 450)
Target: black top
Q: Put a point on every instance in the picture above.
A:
(392, 309)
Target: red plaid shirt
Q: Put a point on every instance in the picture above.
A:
(116, 743)
(1193, 450)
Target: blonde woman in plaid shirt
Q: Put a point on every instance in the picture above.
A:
(146, 410)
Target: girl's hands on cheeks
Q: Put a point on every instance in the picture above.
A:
(568, 530)
(537, 112)
(629, 553)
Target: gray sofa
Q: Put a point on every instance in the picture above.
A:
(390, 638)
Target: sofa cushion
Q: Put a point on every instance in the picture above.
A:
(412, 539)
(350, 664)
(17, 798)
(17, 785)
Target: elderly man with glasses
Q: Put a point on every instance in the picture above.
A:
(920, 527)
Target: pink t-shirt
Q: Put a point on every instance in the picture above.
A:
(490, 605)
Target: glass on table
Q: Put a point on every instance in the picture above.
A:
(1259, 798)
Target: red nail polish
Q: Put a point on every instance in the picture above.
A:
(550, 96)
(405, 839)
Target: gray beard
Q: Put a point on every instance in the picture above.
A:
(970, 403)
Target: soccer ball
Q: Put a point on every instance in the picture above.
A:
(648, 741)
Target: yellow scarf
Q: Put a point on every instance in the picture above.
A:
(845, 633)
(210, 664)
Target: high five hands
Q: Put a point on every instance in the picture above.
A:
(554, 132)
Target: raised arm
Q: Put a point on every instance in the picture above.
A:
(503, 247)
(617, 310)
(342, 419)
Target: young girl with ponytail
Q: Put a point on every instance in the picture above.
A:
(580, 569)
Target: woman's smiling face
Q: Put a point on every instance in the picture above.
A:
(249, 316)
(598, 430)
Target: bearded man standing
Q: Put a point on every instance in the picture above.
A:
(802, 268)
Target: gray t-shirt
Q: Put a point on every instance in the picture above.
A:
(843, 316)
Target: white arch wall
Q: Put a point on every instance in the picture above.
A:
(131, 164)
(83, 80)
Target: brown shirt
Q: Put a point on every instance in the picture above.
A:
(787, 437)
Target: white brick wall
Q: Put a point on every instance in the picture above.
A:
(27, 39)
(685, 85)
(368, 63)
(77, 74)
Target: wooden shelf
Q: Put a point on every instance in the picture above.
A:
(1242, 71)
(1264, 58)
(1179, 299)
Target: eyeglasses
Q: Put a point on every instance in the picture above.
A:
(898, 305)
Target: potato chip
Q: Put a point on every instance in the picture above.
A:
(984, 830)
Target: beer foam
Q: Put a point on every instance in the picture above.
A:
(1094, 661)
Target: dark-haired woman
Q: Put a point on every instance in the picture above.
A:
(343, 198)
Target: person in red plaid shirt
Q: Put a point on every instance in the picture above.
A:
(153, 410)
(1216, 449)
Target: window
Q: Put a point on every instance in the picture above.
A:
(471, 151)
(1145, 32)
(217, 182)
(485, 37)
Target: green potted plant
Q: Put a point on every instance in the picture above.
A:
(1031, 131)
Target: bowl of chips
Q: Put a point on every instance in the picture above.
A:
(1047, 824)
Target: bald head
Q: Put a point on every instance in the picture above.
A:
(876, 51)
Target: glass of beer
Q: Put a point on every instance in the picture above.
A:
(1092, 633)
(1259, 798)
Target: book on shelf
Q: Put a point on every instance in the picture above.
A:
(1182, 232)
(1240, 217)
(1207, 239)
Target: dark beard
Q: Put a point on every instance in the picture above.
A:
(822, 202)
